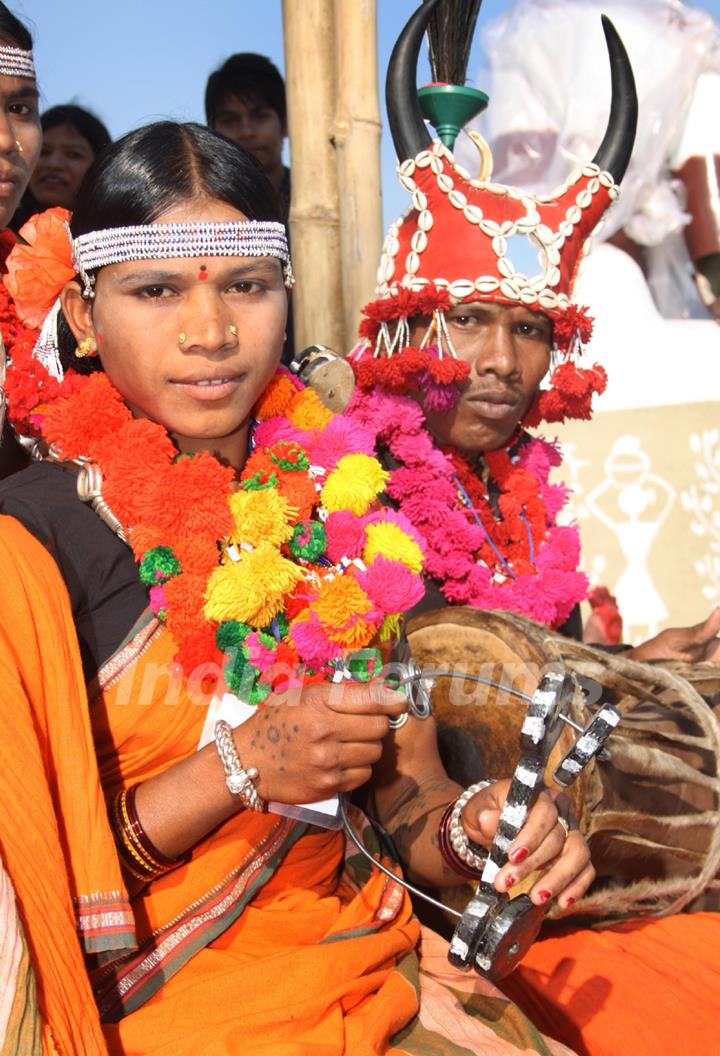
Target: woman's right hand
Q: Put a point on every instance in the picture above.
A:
(326, 742)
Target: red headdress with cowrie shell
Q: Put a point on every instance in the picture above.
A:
(469, 239)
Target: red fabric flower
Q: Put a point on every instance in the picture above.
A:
(38, 270)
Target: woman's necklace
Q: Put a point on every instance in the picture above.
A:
(291, 566)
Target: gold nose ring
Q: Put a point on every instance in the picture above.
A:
(182, 337)
(233, 329)
(20, 147)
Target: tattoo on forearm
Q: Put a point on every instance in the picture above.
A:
(417, 800)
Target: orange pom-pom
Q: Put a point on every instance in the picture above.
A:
(307, 411)
(299, 490)
(276, 398)
(76, 425)
(340, 607)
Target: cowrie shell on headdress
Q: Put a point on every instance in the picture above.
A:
(461, 288)
(425, 220)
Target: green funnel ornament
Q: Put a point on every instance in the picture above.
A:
(448, 107)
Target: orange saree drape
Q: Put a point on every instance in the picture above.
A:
(641, 988)
(54, 840)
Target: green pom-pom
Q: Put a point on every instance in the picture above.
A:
(268, 640)
(260, 481)
(309, 540)
(365, 664)
(240, 676)
(259, 692)
(158, 566)
(231, 635)
(288, 455)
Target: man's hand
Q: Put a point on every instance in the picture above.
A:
(540, 844)
(688, 644)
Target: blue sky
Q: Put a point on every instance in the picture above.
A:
(138, 60)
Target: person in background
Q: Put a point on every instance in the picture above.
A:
(20, 141)
(245, 101)
(72, 137)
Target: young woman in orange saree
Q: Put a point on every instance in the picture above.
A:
(250, 515)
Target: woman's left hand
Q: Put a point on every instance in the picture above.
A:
(541, 844)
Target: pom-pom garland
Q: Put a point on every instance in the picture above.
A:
(246, 567)
(489, 540)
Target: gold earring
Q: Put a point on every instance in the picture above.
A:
(182, 337)
(233, 330)
(87, 347)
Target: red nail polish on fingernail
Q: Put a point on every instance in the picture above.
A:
(510, 881)
(569, 901)
(544, 895)
(519, 854)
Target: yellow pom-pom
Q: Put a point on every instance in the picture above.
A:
(341, 605)
(253, 589)
(386, 539)
(354, 484)
(307, 411)
(261, 516)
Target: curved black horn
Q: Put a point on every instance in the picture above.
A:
(408, 129)
(614, 152)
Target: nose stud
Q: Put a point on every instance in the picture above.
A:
(20, 147)
(182, 336)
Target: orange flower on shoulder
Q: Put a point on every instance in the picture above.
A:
(38, 269)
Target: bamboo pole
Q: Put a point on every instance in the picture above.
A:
(357, 145)
(334, 128)
(315, 210)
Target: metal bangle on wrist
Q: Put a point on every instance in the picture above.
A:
(240, 781)
(458, 837)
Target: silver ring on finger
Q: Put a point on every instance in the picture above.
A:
(399, 722)
(564, 825)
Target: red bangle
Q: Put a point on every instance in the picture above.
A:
(139, 855)
(141, 837)
(450, 855)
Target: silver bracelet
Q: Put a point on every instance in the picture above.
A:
(238, 780)
(458, 836)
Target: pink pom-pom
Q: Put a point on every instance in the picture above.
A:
(345, 535)
(312, 644)
(341, 437)
(391, 586)
(158, 601)
(258, 653)
(272, 430)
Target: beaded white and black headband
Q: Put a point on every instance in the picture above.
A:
(230, 238)
(14, 62)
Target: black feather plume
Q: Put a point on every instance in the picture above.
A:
(450, 34)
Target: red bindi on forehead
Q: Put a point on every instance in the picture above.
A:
(203, 273)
